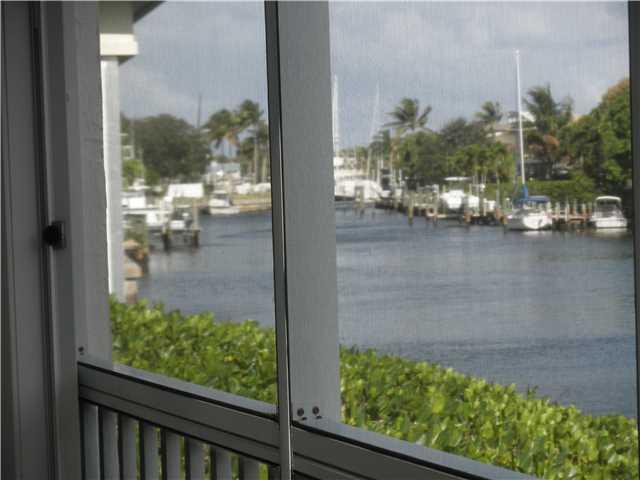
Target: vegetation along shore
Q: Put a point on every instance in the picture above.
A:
(414, 401)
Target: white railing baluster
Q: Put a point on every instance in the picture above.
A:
(127, 447)
(248, 469)
(109, 444)
(194, 459)
(91, 441)
(148, 452)
(221, 464)
(170, 455)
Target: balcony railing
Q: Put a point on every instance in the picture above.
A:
(138, 424)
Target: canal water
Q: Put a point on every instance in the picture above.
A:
(552, 310)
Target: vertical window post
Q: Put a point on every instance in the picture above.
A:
(302, 46)
(634, 71)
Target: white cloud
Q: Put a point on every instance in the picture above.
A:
(450, 55)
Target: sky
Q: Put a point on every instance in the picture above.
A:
(452, 56)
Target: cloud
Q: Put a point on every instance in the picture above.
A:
(450, 55)
(215, 50)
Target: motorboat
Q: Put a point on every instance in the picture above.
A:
(607, 214)
(530, 214)
(472, 202)
(181, 219)
(220, 204)
(453, 199)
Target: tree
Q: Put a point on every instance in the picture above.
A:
(407, 116)
(489, 115)
(459, 132)
(247, 151)
(481, 160)
(243, 128)
(249, 118)
(223, 125)
(421, 158)
(170, 148)
(131, 170)
(550, 116)
(600, 142)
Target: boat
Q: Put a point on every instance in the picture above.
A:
(607, 214)
(220, 204)
(530, 214)
(349, 180)
(453, 199)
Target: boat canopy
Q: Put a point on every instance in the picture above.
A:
(539, 199)
(531, 200)
(457, 179)
(608, 199)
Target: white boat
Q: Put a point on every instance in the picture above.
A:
(526, 219)
(348, 180)
(530, 215)
(531, 211)
(181, 219)
(154, 218)
(607, 214)
(453, 199)
(220, 204)
(472, 202)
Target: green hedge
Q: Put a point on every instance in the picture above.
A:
(414, 401)
(579, 188)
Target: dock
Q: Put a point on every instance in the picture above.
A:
(565, 215)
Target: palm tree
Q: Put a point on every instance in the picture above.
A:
(263, 141)
(489, 115)
(250, 117)
(549, 117)
(223, 125)
(407, 116)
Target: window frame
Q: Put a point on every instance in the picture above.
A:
(319, 448)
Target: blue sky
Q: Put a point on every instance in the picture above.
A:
(450, 55)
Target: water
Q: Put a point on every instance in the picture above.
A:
(547, 309)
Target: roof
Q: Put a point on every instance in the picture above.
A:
(185, 190)
(140, 9)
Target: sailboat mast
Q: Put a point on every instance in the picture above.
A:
(520, 136)
(335, 107)
(372, 132)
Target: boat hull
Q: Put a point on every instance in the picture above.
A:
(530, 222)
(223, 210)
(609, 223)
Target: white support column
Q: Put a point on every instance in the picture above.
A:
(117, 44)
(309, 212)
(113, 172)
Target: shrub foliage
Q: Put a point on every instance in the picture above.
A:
(414, 401)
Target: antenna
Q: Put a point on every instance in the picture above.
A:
(198, 114)
(376, 114)
(519, 100)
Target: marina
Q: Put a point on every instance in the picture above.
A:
(549, 309)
